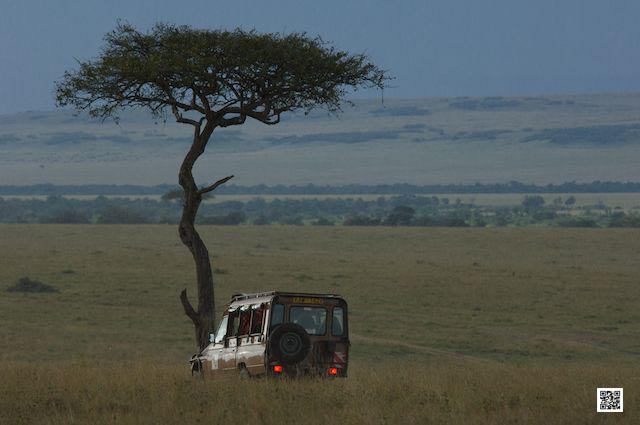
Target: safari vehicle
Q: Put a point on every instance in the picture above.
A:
(279, 334)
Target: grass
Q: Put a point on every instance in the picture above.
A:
(429, 393)
(448, 325)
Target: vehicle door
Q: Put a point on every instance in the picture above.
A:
(214, 351)
(251, 340)
(227, 357)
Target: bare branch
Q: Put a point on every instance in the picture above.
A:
(181, 119)
(214, 186)
(240, 119)
(188, 308)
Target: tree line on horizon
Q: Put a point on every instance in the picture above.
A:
(595, 186)
(403, 210)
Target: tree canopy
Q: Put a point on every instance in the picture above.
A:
(224, 76)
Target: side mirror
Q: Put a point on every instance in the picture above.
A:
(212, 337)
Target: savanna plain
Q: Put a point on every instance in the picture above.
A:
(448, 325)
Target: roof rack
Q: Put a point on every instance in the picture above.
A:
(240, 297)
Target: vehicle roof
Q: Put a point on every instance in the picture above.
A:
(260, 297)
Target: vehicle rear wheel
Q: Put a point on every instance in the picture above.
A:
(289, 343)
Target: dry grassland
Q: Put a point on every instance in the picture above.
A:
(448, 325)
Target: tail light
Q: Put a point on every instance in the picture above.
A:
(333, 371)
(277, 369)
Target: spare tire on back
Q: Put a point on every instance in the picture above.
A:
(289, 343)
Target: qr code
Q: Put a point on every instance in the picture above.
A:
(610, 400)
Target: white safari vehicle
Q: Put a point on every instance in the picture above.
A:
(279, 333)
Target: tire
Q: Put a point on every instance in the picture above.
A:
(244, 373)
(196, 366)
(289, 343)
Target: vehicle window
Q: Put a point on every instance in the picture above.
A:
(312, 319)
(245, 322)
(222, 330)
(337, 326)
(277, 315)
(256, 321)
(234, 323)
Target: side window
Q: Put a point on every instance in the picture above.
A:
(222, 330)
(245, 321)
(256, 321)
(337, 326)
(234, 323)
(277, 315)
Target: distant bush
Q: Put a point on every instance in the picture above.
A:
(576, 222)
(361, 220)
(24, 284)
(113, 214)
(624, 220)
(533, 202)
(261, 220)
(291, 220)
(322, 222)
(451, 222)
(231, 219)
(401, 215)
(67, 216)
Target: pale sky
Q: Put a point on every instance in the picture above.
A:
(432, 48)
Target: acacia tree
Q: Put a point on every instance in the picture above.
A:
(211, 79)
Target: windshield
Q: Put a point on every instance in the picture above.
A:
(222, 330)
(312, 319)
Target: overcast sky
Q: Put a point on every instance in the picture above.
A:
(432, 48)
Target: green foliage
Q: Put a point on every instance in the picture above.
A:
(624, 220)
(401, 215)
(577, 222)
(361, 220)
(214, 73)
(431, 211)
(232, 219)
(114, 214)
(533, 202)
(66, 216)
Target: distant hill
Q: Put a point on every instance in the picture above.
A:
(540, 140)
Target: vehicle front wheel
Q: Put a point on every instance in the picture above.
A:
(196, 366)
(244, 373)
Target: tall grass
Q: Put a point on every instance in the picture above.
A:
(436, 392)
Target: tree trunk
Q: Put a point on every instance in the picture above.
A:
(204, 318)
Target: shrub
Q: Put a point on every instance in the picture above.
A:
(361, 220)
(577, 222)
(24, 284)
(323, 222)
(232, 219)
(533, 202)
(113, 214)
(624, 220)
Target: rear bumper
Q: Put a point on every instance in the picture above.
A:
(301, 370)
